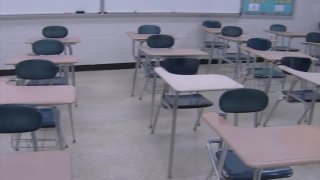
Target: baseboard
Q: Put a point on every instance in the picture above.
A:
(98, 67)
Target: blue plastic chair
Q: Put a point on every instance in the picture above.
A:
(182, 66)
(281, 28)
(19, 118)
(232, 58)
(55, 32)
(263, 72)
(38, 72)
(293, 95)
(237, 101)
(155, 41)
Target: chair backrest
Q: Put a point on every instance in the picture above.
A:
(313, 37)
(149, 29)
(243, 100)
(211, 24)
(160, 41)
(297, 63)
(36, 69)
(231, 31)
(47, 47)
(54, 31)
(19, 118)
(259, 44)
(182, 66)
(278, 27)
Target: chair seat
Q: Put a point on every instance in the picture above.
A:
(48, 118)
(304, 95)
(285, 48)
(236, 170)
(233, 57)
(149, 70)
(46, 82)
(188, 101)
(266, 72)
(217, 44)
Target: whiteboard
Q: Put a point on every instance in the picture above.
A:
(13, 7)
(9, 7)
(179, 6)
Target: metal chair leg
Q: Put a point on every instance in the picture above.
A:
(272, 111)
(34, 141)
(198, 119)
(214, 169)
(156, 118)
(72, 124)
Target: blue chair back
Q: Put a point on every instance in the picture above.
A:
(54, 31)
(259, 44)
(232, 31)
(243, 100)
(149, 29)
(278, 27)
(160, 41)
(297, 63)
(36, 69)
(47, 47)
(313, 37)
(19, 118)
(182, 66)
(212, 24)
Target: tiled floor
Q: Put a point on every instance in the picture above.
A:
(114, 141)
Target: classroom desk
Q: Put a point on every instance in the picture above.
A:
(63, 60)
(287, 34)
(136, 38)
(308, 49)
(167, 52)
(40, 96)
(312, 77)
(238, 41)
(273, 57)
(67, 41)
(48, 165)
(269, 147)
(214, 32)
(191, 83)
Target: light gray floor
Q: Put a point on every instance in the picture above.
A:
(114, 141)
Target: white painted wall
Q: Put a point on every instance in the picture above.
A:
(104, 40)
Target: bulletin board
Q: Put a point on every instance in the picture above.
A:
(268, 7)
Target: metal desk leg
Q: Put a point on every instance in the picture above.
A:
(72, 124)
(173, 133)
(138, 62)
(61, 140)
(154, 83)
(211, 55)
(257, 174)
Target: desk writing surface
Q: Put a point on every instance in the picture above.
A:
(275, 55)
(36, 95)
(288, 34)
(66, 40)
(57, 59)
(40, 165)
(200, 82)
(268, 147)
(239, 39)
(211, 30)
(162, 52)
(138, 37)
(313, 77)
(311, 43)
